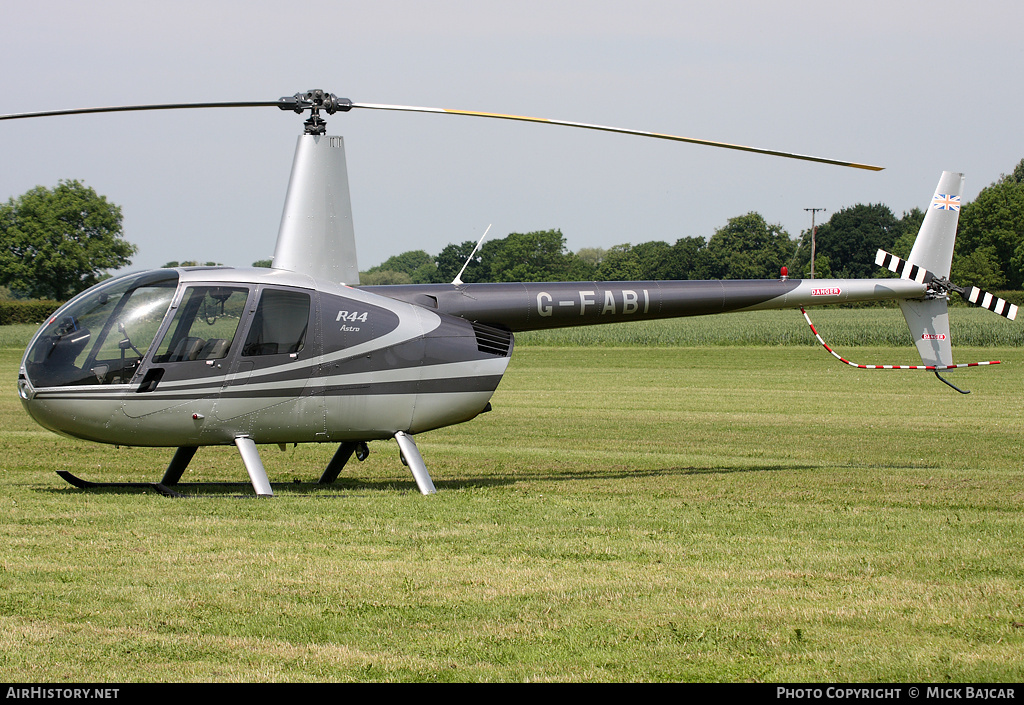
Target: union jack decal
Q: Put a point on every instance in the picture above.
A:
(946, 202)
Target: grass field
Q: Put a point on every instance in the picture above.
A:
(707, 513)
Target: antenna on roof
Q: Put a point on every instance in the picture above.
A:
(457, 281)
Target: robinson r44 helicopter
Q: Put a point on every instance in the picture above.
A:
(299, 353)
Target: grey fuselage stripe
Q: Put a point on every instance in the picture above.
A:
(444, 385)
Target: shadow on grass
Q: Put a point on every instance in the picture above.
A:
(624, 473)
(339, 488)
(345, 487)
(613, 474)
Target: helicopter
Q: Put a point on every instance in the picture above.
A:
(188, 357)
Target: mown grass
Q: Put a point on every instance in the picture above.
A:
(17, 335)
(624, 514)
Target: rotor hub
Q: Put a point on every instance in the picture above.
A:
(941, 286)
(315, 100)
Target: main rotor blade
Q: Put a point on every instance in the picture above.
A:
(134, 108)
(298, 106)
(625, 131)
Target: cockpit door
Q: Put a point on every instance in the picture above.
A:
(269, 391)
(193, 358)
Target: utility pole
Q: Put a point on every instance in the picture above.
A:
(814, 232)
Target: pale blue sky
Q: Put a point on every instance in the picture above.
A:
(917, 87)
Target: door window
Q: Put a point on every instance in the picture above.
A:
(280, 324)
(204, 325)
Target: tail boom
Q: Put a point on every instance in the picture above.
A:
(541, 305)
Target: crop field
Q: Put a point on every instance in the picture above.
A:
(637, 507)
(876, 326)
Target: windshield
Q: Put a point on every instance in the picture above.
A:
(101, 336)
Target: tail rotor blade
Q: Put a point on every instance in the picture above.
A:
(903, 268)
(976, 296)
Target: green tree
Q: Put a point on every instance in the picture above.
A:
(379, 277)
(620, 263)
(655, 259)
(910, 225)
(56, 243)
(528, 257)
(980, 268)
(850, 239)
(417, 264)
(580, 270)
(994, 223)
(195, 263)
(682, 261)
(426, 274)
(1017, 176)
(591, 256)
(746, 248)
(822, 268)
(489, 253)
(451, 259)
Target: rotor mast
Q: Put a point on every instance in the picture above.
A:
(317, 236)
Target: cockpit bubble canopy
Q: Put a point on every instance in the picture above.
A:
(101, 336)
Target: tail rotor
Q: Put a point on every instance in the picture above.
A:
(940, 285)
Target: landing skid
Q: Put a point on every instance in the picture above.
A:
(86, 485)
(157, 486)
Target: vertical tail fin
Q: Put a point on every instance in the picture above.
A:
(933, 248)
(928, 320)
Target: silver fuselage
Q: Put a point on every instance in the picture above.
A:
(366, 366)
